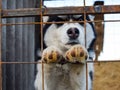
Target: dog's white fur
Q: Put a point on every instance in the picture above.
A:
(67, 76)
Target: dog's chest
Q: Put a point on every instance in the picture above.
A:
(65, 77)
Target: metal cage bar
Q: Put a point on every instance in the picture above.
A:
(28, 12)
(41, 32)
(0, 45)
(85, 43)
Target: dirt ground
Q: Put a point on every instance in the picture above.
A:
(107, 76)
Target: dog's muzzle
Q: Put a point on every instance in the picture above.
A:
(73, 33)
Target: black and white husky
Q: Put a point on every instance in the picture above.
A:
(65, 54)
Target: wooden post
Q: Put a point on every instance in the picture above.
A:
(99, 26)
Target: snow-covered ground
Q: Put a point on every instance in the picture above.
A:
(111, 49)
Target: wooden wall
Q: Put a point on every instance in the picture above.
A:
(18, 46)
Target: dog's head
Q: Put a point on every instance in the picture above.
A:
(64, 35)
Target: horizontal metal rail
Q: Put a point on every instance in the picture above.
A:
(35, 23)
(98, 61)
(29, 12)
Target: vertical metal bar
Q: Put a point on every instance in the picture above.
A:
(0, 45)
(86, 76)
(41, 31)
(85, 44)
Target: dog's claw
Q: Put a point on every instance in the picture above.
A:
(76, 54)
(51, 55)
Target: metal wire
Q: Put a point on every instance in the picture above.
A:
(85, 44)
(94, 61)
(41, 31)
(36, 23)
(0, 46)
(44, 63)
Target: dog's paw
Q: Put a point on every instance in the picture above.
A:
(75, 54)
(51, 55)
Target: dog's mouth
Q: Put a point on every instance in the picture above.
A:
(72, 42)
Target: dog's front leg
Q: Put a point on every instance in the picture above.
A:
(77, 54)
(50, 56)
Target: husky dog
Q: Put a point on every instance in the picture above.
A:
(67, 46)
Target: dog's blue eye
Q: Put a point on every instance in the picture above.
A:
(79, 18)
(60, 18)
(59, 24)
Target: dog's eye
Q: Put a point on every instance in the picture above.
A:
(78, 17)
(61, 18)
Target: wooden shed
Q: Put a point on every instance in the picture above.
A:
(18, 45)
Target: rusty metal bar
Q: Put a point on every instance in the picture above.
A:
(0, 46)
(21, 62)
(41, 38)
(29, 12)
(85, 21)
(68, 62)
(31, 23)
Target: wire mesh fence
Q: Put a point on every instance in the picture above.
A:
(20, 23)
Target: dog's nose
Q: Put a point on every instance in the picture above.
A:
(73, 33)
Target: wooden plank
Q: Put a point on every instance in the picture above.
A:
(25, 56)
(21, 12)
(4, 6)
(99, 27)
(18, 49)
(31, 31)
(25, 49)
(10, 50)
(61, 10)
